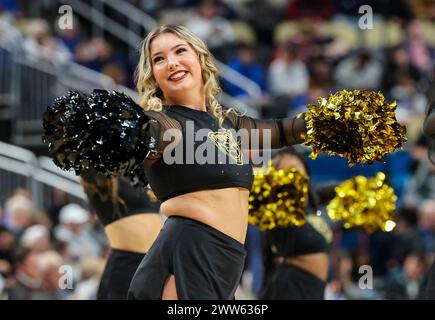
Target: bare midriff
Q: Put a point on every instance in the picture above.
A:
(223, 209)
(134, 233)
(314, 263)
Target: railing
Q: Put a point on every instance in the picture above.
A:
(94, 13)
(27, 88)
(6, 74)
(140, 18)
(48, 177)
(20, 168)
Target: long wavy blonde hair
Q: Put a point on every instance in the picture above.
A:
(97, 188)
(151, 96)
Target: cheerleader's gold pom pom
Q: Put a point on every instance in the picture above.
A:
(277, 198)
(364, 202)
(357, 125)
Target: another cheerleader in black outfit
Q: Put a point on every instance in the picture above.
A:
(131, 222)
(429, 131)
(295, 258)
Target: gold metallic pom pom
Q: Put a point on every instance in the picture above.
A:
(364, 202)
(277, 198)
(357, 125)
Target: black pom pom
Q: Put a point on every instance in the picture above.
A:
(138, 178)
(118, 134)
(64, 123)
(107, 131)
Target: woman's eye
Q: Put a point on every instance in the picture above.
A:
(157, 59)
(179, 50)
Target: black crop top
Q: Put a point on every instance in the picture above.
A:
(111, 205)
(207, 157)
(218, 168)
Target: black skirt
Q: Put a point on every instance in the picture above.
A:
(291, 283)
(117, 275)
(206, 263)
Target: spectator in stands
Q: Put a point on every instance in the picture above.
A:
(410, 103)
(407, 238)
(340, 275)
(9, 35)
(397, 61)
(91, 272)
(294, 83)
(427, 224)
(63, 249)
(19, 213)
(40, 45)
(421, 186)
(71, 37)
(361, 260)
(401, 82)
(359, 71)
(409, 283)
(344, 283)
(245, 63)
(36, 238)
(215, 30)
(288, 76)
(49, 264)
(74, 229)
(94, 54)
(334, 290)
(421, 54)
(27, 276)
(321, 83)
(320, 68)
(97, 54)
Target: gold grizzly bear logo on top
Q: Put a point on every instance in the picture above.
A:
(224, 140)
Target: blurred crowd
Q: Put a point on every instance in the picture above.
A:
(295, 51)
(57, 253)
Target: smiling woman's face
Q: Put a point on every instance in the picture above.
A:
(176, 68)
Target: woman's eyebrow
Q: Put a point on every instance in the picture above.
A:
(174, 47)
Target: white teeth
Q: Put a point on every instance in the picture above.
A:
(178, 75)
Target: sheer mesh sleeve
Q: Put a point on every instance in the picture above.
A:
(282, 132)
(158, 126)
